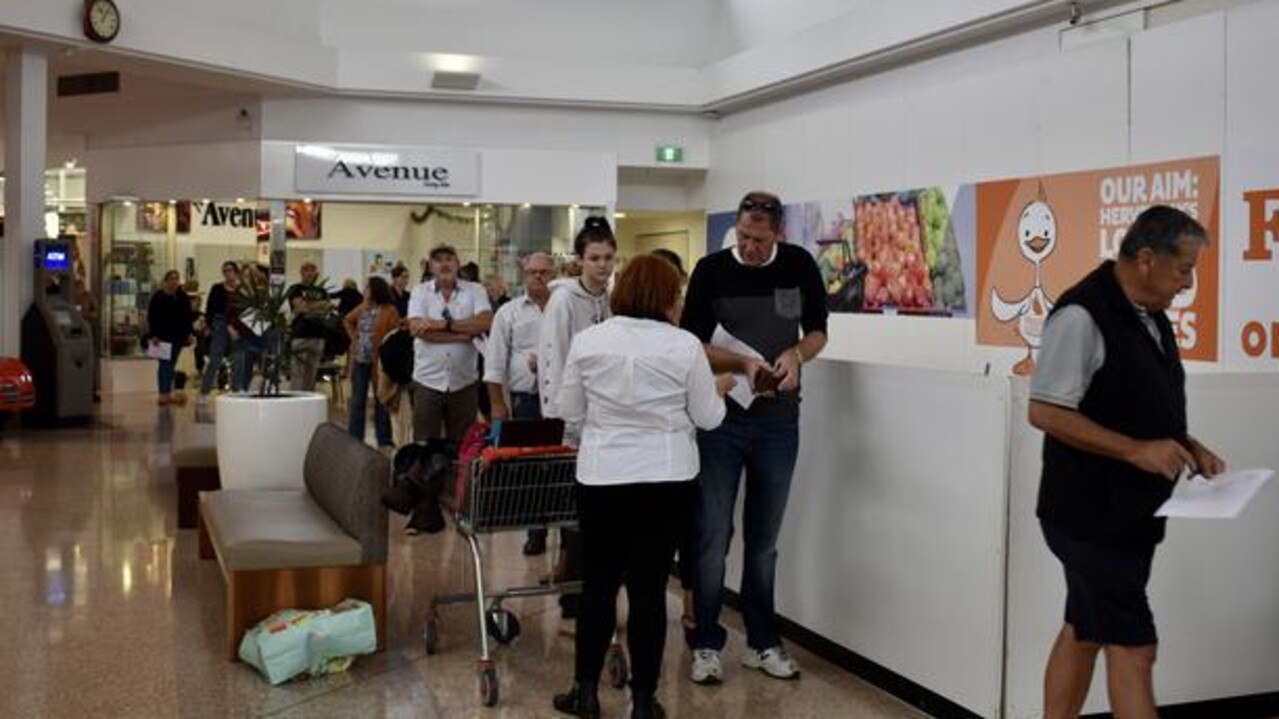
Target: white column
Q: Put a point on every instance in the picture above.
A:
(25, 137)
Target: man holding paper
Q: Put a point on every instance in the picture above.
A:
(759, 308)
(1109, 394)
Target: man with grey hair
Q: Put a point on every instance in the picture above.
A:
(511, 358)
(1109, 394)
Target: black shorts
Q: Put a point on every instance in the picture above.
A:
(1106, 589)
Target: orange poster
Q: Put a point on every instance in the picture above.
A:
(1038, 236)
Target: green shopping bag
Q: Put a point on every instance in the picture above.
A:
(291, 641)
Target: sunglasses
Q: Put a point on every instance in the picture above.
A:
(766, 206)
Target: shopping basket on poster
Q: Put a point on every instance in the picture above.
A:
(507, 490)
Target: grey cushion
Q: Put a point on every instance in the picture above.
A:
(196, 456)
(274, 529)
(346, 477)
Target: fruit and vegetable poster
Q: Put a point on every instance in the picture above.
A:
(1038, 236)
(909, 252)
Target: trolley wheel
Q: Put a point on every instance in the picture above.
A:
(617, 666)
(502, 625)
(489, 692)
(431, 634)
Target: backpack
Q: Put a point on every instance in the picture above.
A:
(395, 356)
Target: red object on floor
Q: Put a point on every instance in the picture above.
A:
(17, 390)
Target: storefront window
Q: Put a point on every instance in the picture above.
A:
(135, 256)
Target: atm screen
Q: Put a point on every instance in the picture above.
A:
(63, 319)
(57, 259)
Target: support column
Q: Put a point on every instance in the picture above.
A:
(26, 136)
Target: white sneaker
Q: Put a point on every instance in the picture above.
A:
(774, 662)
(707, 667)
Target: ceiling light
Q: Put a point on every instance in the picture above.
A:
(446, 80)
(239, 200)
(619, 215)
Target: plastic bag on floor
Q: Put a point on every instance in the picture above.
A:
(325, 641)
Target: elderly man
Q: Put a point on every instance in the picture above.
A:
(770, 297)
(1109, 394)
(310, 305)
(446, 314)
(511, 365)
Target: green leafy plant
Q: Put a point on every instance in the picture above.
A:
(263, 305)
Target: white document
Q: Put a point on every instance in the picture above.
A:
(741, 392)
(1222, 497)
(160, 350)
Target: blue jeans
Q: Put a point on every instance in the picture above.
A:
(220, 345)
(361, 378)
(766, 449)
(164, 374)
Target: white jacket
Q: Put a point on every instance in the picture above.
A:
(570, 310)
(642, 387)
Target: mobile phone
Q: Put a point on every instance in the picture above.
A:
(765, 381)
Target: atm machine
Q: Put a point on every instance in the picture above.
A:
(57, 342)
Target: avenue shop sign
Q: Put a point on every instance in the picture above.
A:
(349, 169)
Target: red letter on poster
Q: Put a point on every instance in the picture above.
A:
(1260, 225)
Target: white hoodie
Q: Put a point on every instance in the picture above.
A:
(570, 310)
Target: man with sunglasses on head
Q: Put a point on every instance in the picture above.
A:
(769, 296)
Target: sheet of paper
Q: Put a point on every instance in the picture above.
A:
(741, 392)
(1222, 497)
(160, 350)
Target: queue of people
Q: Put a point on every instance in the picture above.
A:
(641, 375)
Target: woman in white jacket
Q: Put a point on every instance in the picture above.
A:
(641, 387)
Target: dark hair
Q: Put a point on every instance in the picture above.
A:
(442, 250)
(595, 229)
(175, 273)
(380, 291)
(398, 271)
(758, 203)
(469, 271)
(647, 289)
(1162, 229)
(231, 265)
(671, 257)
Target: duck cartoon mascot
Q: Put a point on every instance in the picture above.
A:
(1036, 239)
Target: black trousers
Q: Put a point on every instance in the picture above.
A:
(628, 537)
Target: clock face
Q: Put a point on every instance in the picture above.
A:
(102, 20)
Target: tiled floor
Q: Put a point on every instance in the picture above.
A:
(105, 611)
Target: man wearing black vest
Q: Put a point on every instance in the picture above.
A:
(1109, 394)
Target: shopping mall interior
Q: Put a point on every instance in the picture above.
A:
(911, 144)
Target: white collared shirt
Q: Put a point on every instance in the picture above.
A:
(512, 343)
(643, 387)
(446, 366)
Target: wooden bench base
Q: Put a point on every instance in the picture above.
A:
(191, 481)
(252, 596)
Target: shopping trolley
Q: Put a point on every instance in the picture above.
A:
(503, 495)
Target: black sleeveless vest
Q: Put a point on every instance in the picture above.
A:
(1139, 391)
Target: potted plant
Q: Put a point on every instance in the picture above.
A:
(263, 434)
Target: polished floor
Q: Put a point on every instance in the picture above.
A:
(105, 610)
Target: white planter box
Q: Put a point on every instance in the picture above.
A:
(262, 441)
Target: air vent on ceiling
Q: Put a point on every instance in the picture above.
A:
(88, 84)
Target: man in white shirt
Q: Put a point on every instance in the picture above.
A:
(445, 316)
(511, 362)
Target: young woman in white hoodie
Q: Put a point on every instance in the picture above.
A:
(574, 306)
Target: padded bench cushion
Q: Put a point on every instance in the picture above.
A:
(274, 529)
(196, 456)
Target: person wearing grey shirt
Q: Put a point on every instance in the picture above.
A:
(1109, 394)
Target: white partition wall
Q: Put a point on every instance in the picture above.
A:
(893, 540)
(1215, 585)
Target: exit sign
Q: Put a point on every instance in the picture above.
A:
(670, 153)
